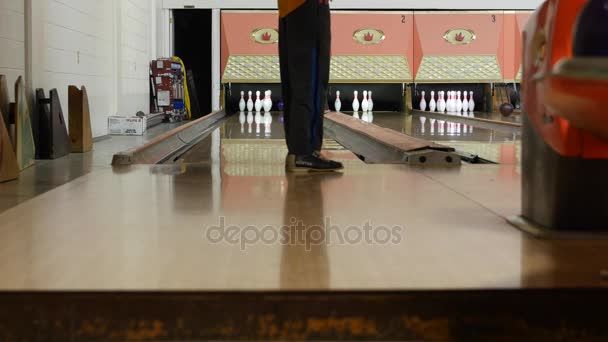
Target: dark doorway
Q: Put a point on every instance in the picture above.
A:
(192, 37)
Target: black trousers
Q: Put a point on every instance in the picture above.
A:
(304, 50)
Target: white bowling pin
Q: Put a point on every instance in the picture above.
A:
(442, 103)
(471, 103)
(453, 101)
(270, 101)
(465, 102)
(267, 103)
(356, 102)
(258, 102)
(459, 102)
(250, 102)
(423, 102)
(242, 103)
(449, 102)
(370, 106)
(338, 104)
(365, 103)
(433, 104)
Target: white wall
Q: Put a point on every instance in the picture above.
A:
(103, 45)
(12, 41)
(135, 51)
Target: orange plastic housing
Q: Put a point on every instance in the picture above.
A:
(567, 109)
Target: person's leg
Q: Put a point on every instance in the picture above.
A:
(285, 80)
(300, 51)
(298, 48)
(324, 59)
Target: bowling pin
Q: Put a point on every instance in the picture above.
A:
(459, 102)
(338, 104)
(250, 102)
(370, 106)
(356, 102)
(258, 102)
(423, 102)
(433, 104)
(449, 102)
(242, 103)
(270, 103)
(465, 103)
(442, 102)
(471, 103)
(266, 102)
(365, 103)
(242, 120)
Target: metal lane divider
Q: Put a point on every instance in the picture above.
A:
(172, 143)
(378, 145)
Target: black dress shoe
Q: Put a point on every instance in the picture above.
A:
(311, 163)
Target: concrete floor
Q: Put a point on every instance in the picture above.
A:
(372, 227)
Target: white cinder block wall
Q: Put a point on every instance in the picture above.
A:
(103, 45)
(135, 52)
(12, 41)
(77, 49)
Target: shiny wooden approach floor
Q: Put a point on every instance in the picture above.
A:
(129, 254)
(145, 228)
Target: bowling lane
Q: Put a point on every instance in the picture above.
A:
(495, 146)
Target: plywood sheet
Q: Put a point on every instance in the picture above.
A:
(81, 135)
(24, 138)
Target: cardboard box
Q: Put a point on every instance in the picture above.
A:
(120, 125)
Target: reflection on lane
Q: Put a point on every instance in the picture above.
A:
(496, 146)
(254, 126)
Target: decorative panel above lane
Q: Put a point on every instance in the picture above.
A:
(459, 47)
(344, 69)
(370, 69)
(472, 69)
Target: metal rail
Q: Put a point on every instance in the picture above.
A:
(381, 145)
(172, 143)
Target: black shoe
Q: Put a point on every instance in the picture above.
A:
(320, 156)
(311, 163)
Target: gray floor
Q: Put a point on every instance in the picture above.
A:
(46, 175)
